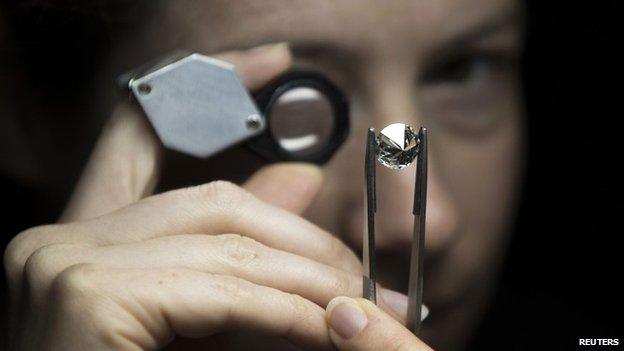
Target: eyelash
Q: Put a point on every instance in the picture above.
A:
(462, 92)
(468, 67)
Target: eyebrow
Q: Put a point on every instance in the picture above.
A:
(509, 20)
(460, 42)
(455, 42)
(317, 48)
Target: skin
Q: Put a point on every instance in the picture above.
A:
(195, 262)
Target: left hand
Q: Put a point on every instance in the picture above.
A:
(359, 325)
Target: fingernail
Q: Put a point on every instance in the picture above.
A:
(346, 317)
(398, 303)
(271, 47)
(395, 300)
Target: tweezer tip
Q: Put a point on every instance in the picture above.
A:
(371, 139)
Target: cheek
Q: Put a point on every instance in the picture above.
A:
(482, 176)
(343, 187)
(339, 203)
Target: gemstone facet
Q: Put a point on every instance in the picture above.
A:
(397, 146)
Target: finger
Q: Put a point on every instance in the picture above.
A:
(122, 168)
(212, 209)
(258, 65)
(142, 309)
(125, 162)
(359, 325)
(291, 186)
(227, 254)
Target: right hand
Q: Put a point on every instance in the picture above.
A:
(130, 270)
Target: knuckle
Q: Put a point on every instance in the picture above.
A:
(20, 248)
(393, 344)
(224, 195)
(342, 284)
(82, 298)
(43, 264)
(299, 308)
(396, 341)
(218, 189)
(232, 287)
(337, 250)
(77, 281)
(240, 251)
(334, 248)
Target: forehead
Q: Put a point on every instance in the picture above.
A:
(220, 24)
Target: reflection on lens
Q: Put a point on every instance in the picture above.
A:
(302, 121)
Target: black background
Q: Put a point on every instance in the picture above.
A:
(562, 279)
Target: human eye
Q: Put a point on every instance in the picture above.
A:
(468, 91)
(466, 69)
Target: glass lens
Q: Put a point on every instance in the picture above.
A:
(302, 121)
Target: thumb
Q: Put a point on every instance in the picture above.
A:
(359, 325)
(291, 186)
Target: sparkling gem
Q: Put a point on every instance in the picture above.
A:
(397, 146)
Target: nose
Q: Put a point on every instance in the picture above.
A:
(393, 100)
(395, 222)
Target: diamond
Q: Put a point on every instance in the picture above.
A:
(397, 146)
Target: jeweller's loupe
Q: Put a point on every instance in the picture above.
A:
(307, 117)
(199, 106)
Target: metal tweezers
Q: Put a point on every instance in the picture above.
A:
(415, 290)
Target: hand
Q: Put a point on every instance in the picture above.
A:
(359, 325)
(126, 270)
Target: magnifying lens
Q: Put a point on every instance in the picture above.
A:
(199, 106)
(307, 117)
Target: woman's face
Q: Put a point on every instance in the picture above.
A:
(449, 65)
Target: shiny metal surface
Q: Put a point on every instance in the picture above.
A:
(415, 290)
(415, 285)
(368, 251)
(197, 104)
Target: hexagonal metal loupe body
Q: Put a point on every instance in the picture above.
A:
(197, 105)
